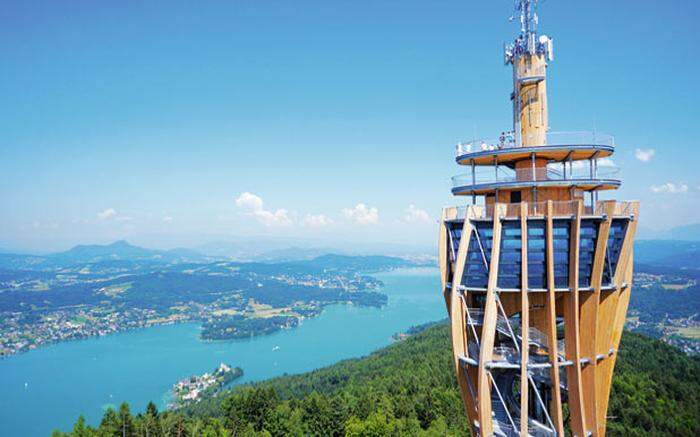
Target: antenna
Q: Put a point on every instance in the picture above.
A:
(527, 43)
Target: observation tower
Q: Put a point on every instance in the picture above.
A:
(536, 271)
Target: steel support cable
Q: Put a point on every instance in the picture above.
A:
(541, 402)
(500, 398)
(481, 248)
(510, 328)
(469, 318)
(476, 337)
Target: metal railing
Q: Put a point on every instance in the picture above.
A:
(539, 209)
(621, 208)
(507, 141)
(502, 174)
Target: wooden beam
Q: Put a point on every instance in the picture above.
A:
(550, 309)
(589, 320)
(572, 332)
(524, 323)
(488, 329)
(444, 239)
(458, 323)
(622, 275)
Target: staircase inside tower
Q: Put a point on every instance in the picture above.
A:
(504, 372)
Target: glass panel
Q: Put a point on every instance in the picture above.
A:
(509, 262)
(561, 229)
(536, 267)
(476, 272)
(455, 234)
(618, 228)
(587, 242)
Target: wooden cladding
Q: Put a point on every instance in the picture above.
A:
(537, 306)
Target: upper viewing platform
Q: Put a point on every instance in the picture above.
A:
(558, 147)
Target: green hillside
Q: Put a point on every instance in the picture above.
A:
(409, 388)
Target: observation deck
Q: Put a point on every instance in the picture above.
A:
(560, 163)
(559, 147)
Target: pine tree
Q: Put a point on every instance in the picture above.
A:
(80, 429)
(126, 422)
(109, 426)
(152, 421)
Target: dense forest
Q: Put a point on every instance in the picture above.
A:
(409, 388)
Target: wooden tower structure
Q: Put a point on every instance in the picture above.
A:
(536, 272)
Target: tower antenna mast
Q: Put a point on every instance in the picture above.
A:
(528, 42)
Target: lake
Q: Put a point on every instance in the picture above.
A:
(50, 387)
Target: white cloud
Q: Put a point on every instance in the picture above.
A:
(276, 218)
(644, 155)
(249, 202)
(670, 187)
(254, 206)
(167, 219)
(106, 214)
(416, 215)
(316, 220)
(362, 214)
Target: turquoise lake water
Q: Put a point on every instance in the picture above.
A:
(50, 387)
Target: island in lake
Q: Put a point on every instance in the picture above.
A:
(195, 388)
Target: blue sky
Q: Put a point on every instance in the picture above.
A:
(150, 120)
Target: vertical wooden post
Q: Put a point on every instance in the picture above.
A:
(444, 240)
(550, 308)
(458, 323)
(589, 320)
(622, 276)
(488, 329)
(571, 330)
(524, 323)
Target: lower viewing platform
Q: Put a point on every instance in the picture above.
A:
(561, 176)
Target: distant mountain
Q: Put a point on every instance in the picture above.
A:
(293, 253)
(371, 262)
(97, 253)
(672, 253)
(122, 250)
(689, 232)
(263, 248)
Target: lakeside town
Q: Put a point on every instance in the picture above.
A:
(197, 387)
(661, 307)
(229, 300)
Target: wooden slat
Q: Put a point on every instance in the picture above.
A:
(589, 320)
(443, 258)
(571, 331)
(550, 309)
(488, 329)
(457, 321)
(524, 322)
(606, 315)
(623, 274)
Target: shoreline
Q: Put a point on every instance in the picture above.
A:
(200, 323)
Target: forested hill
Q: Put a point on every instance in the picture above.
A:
(409, 388)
